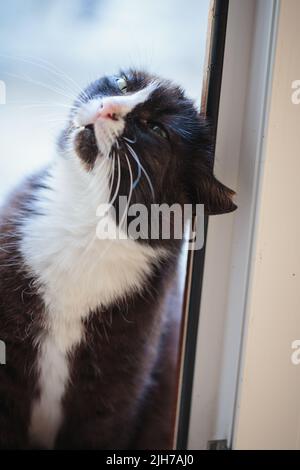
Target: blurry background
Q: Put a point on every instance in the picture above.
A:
(47, 46)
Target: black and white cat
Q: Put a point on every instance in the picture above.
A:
(81, 317)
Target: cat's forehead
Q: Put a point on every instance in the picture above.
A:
(164, 96)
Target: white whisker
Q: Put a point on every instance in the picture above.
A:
(43, 85)
(130, 193)
(129, 140)
(55, 71)
(134, 155)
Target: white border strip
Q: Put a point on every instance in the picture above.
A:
(251, 32)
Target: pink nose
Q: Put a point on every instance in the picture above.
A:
(109, 110)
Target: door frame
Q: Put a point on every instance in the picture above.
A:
(211, 89)
(242, 119)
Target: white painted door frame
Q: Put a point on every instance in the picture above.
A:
(240, 160)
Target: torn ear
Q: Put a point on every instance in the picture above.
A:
(215, 196)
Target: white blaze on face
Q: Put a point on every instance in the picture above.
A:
(108, 113)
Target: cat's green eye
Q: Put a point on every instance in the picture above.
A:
(122, 84)
(158, 130)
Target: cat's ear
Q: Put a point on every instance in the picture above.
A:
(207, 190)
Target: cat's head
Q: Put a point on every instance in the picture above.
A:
(154, 138)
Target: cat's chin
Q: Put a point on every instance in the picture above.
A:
(85, 146)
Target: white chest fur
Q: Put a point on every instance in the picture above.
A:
(76, 273)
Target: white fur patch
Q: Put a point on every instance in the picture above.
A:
(87, 112)
(106, 131)
(76, 273)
